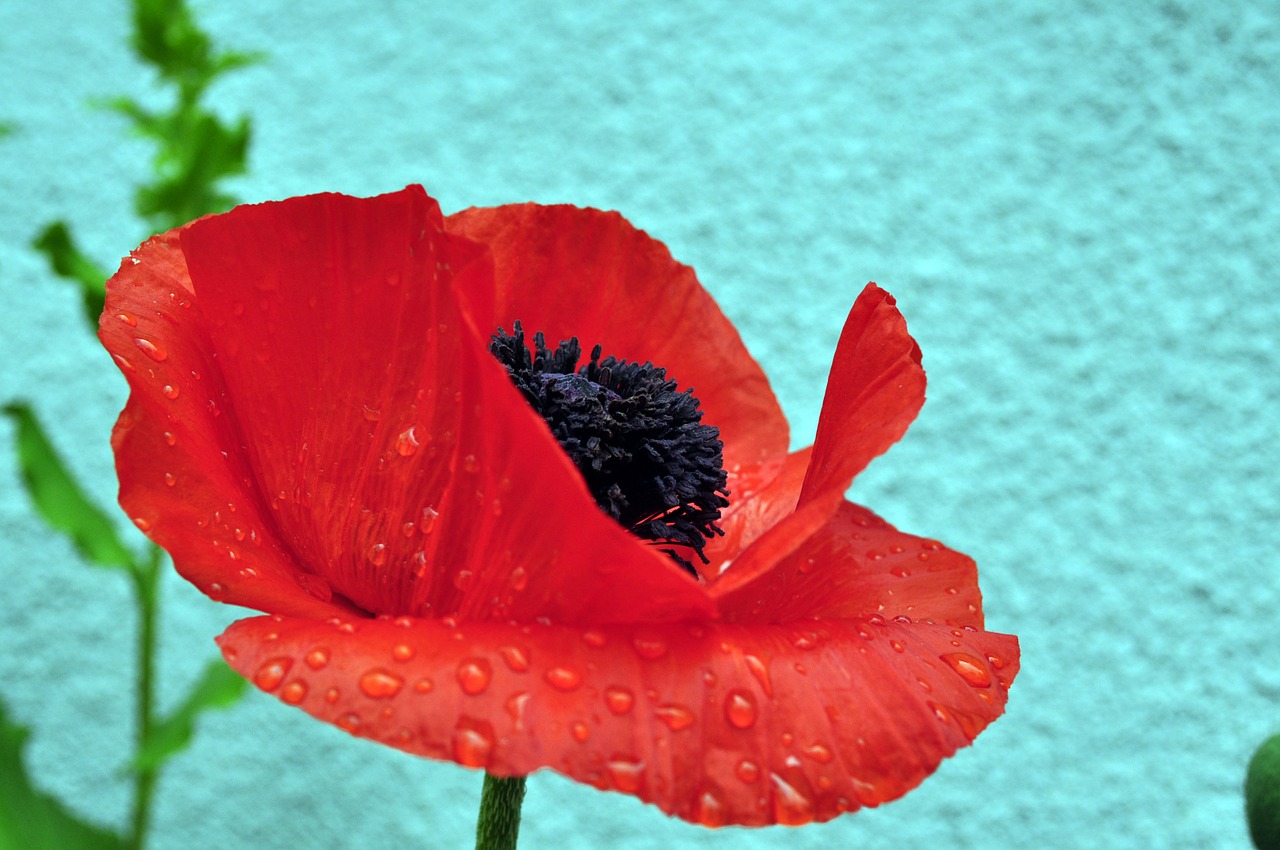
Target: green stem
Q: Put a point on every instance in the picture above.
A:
(498, 826)
(145, 584)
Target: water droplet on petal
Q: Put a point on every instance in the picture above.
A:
(593, 638)
(331, 696)
(317, 658)
(407, 443)
(747, 771)
(761, 672)
(349, 722)
(619, 700)
(380, 684)
(470, 464)
(377, 554)
(402, 652)
(474, 675)
(818, 753)
(515, 657)
(562, 678)
(740, 709)
(897, 646)
(472, 744)
(294, 692)
(169, 438)
(968, 668)
(581, 731)
(429, 516)
(790, 807)
(370, 413)
(710, 812)
(649, 646)
(143, 524)
(127, 319)
(423, 686)
(516, 705)
(169, 480)
(676, 717)
(125, 365)
(626, 773)
(152, 350)
(271, 673)
(519, 579)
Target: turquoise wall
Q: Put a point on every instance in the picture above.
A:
(1074, 203)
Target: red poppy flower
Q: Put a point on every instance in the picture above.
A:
(317, 429)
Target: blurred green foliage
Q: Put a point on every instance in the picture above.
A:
(195, 151)
(1262, 795)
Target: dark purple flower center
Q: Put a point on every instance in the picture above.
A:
(639, 442)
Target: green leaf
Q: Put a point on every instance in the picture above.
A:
(219, 687)
(30, 819)
(58, 497)
(67, 261)
(1262, 795)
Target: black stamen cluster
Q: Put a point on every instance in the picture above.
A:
(640, 444)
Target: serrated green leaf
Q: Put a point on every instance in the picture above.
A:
(1262, 795)
(67, 261)
(218, 687)
(59, 499)
(30, 819)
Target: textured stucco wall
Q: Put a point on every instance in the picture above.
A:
(1074, 203)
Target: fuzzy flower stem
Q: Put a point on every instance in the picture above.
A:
(498, 826)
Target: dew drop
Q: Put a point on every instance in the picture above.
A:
(649, 646)
(271, 673)
(740, 709)
(593, 638)
(474, 675)
(377, 554)
(562, 678)
(423, 686)
(402, 652)
(581, 731)
(127, 319)
(294, 692)
(516, 705)
(407, 443)
(470, 464)
(407, 529)
(968, 668)
(619, 700)
(747, 771)
(897, 646)
(372, 414)
(626, 773)
(790, 807)
(519, 579)
(125, 365)
(142, 523)
(515, 657)
(380, 684)
(710, 811)
(429, 516)
(676, 717)
(317, 658)
(349, 722)
(761, 671)
(818, 753)
(331, 696)
(152, 350)
(169, 480)
(170, 438)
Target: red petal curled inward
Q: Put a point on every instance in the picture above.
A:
(571, 272)
(712, 723)
(358, 414)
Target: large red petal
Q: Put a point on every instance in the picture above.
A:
(857, 566)
(178, 480)
(875, 390)
(712, 723)
(581, 272)
(365, 417)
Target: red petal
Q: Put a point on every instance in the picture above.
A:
(360, 405)
(714, 724)
(857, 566)
(763, 495)
(581, 272)
(175, 482)
(875, 390)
